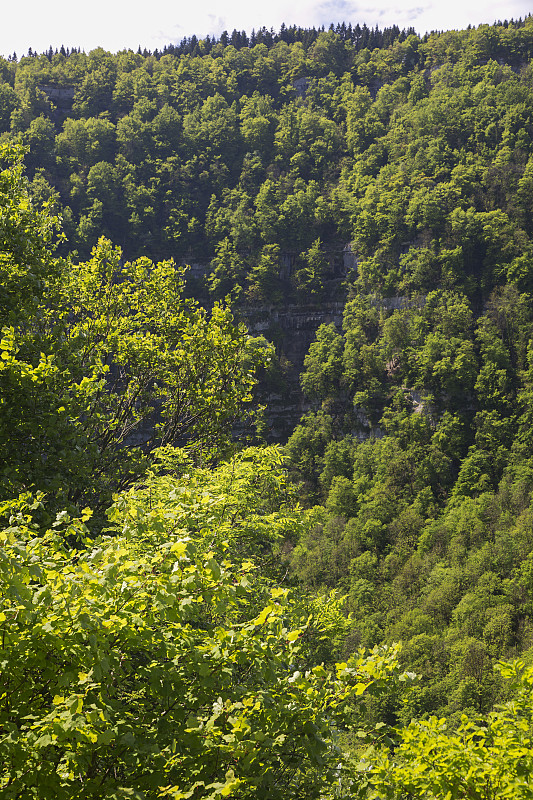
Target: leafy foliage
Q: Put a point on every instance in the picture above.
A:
(416, 452)
(415, 150)
(167, 658)
(104, 354)
(481, 760)
(146, 663)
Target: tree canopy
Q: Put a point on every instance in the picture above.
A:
(104, 361)
(181, 617)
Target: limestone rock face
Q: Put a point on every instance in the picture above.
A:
(292, 329)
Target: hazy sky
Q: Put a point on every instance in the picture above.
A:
(116, 24)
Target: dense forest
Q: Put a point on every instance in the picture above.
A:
(184, 615)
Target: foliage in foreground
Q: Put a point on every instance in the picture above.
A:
(482, 760)
(147, 664)
(102, 362)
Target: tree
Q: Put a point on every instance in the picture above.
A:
(8, 103)
(26, 236)
(263, 279)
(323, 364)
(227, 271)
(307, 446)
(104, 361)
(481, 760)
(85, 142)
(309, 278)
(156, 663)
(258, 123)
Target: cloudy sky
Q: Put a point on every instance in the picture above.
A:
(116, 24)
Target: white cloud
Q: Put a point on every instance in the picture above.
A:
(115, 24)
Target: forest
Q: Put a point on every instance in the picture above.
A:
(191, 612)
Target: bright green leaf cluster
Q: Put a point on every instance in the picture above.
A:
(148, 664)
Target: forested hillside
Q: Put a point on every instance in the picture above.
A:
(173, 604)
(271, 158)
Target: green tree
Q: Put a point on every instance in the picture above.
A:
(152, 663)
(227, 271)
(489, 759)
(26, 236)
(323, 364)
(8, 103)
(258, 123)
(104, 354)
(263, 277)
(309, 279)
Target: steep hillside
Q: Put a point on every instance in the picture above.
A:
(261, 161)
(295, 170)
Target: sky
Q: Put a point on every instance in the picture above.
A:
(119, 24)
